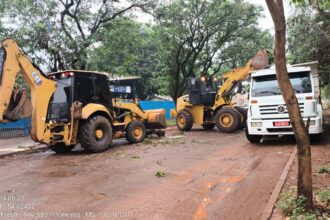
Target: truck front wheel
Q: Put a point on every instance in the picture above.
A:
(184, 120)
(227, 119)
(135, 132)
(95, 134)
(252, 138)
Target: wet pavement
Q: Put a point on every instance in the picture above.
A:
(208, 175)
(19, 144)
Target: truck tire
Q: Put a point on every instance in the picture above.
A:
(95, 134)
(227, 119)
(208, 126)
(316, 138)
(61, 148)
(184, 120)
(255, 139)
(243, 114)
(135, 132)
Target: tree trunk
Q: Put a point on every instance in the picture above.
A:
(304, 184)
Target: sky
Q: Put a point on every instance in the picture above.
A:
(266, 22)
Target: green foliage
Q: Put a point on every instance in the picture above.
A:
(59, 33)
(308, 37)
(324, 196)
(293, 207)
(160, 174)
(324, 169)
(129, 48)
(206, 37)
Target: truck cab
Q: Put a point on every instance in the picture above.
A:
(267, 112)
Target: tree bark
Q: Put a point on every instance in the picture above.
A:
(304, 184)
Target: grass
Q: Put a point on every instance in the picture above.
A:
(324, 169)
(324, 196)
(172, 140)
(293, 207)
(160, 174)
(171, 122)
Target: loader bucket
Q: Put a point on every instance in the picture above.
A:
(156, 119)
(19, 106)
(260, 60)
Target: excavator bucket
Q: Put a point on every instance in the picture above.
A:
(19, 106)
(156, 119)
(260, 60)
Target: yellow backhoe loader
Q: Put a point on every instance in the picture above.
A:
(69, 107)
(213, 107)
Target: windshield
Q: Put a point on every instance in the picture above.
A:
(268, 86)
(2, 61)
(59, 106)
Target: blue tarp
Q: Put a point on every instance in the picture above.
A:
(150, 105)
(14, 129)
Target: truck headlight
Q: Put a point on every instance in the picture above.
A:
(256, 124)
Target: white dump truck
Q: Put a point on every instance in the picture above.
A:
(267, 112)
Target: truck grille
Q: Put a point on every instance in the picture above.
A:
(277, 109)
(279, 130)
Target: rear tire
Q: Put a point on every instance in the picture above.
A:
(61, 148)
(255, 139)
(243, 113)
(95, 134)
(184, 120)
(208, 126)
(135, 132)
(227, 119)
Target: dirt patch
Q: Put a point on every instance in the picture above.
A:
(321, 180)
(191, 175)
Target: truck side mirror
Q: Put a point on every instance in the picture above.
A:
(325, 78)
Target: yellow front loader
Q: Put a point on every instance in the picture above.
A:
(208, 108)
(69, 107)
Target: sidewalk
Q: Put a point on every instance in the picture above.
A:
(19, 144)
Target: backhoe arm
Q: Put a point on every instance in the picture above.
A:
(259, 61)
(13, 61)
(233, 77)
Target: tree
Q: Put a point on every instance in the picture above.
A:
(197, 35)
(304, 184)
(64, 29)
(308, 37)
(129, 48)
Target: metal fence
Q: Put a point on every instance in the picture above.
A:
(15, 129)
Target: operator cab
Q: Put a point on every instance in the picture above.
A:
(77, 85)
(202, 91)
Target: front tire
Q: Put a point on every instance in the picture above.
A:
(95, 134)
(135, 132)
(254, 139)
(227, 119)
(184, 120)
(61, 148)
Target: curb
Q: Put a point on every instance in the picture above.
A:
(268, 210)
(38, 148)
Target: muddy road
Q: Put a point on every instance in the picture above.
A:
(208, 175)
